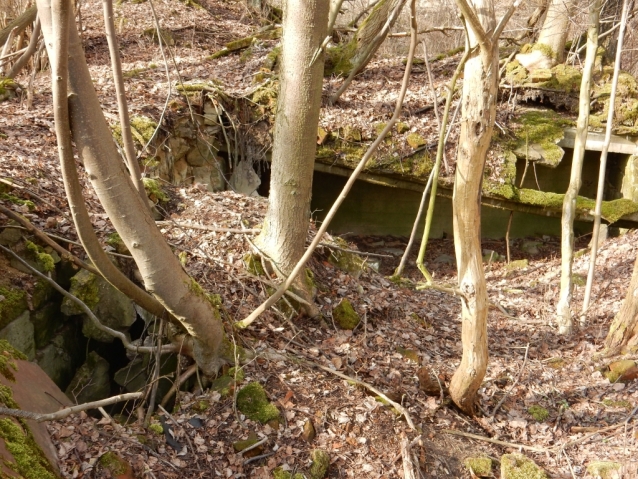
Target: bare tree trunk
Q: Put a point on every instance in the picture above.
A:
(563, 310)
(478, 116)
(162, 273)
(623, 333)
(286, 225)
(555, 28)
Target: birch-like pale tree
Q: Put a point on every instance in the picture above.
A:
(477, 122)
(563, 308)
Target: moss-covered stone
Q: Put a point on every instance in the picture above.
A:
(415, 140)
(515, 73)
(617, 404)
(539, 413)
(479, 466)
(338, 59)
(44, 260)
(113, 463)
(320, 464)
(13, 302)
(167, 36)
(17, 201)
(8, 89)
(156, 428)
(604, 469)
(224, 385)
(114, 240)
(253, 403)
(29, 461)
(154, 191)
(280, 473)
(517, 466)
(345, 316)
(618, 368)
(537, 133)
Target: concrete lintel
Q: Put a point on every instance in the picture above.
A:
(595, 141)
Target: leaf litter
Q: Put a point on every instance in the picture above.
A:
(402, 331)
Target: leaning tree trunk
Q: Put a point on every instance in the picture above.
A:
(286, 225)
(553, 34)
(478, 116)
(22, 22)
(563, 308)
(623, 333)
(162, 273)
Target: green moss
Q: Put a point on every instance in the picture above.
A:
(30, 462)
(479, 466)
(279, 473)
(8, 89)
(517, 466)
(86, 290)
(17, 201)
(449, 53)
(515, 73)
(8, 356)
(338, 59)
(345, 316)
(154, 191)
(44, 260)
(320, 464)
(271, 59)
(167, 35)
(539, 413)
(617, 369)
(253, 403)
(400, 127)
(253, 264)
(156, 428)
(201, 406)
(518, 264)
(604, 469)
(621, 404)
(546, 50)
(579, 280)
(565, 78)
(224, 385)
(114, 240)
(113, 463)
(13, 304)
(543, 128)
(415, 140)
(143, 128)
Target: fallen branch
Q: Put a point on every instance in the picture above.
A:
(62, 413)
(495, 441)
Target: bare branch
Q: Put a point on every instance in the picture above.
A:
(501, 25)
(474, 23)
(62, 413)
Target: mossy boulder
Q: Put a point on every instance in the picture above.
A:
(91, 381)
(517, 466)
(13, 302)
(154, 192)
(345, 316)
(113, 308)
(253, 403)
(20, 334)
(618, 368)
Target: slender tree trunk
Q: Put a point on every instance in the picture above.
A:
(28, 53)
(285, 228)
(563, 309)
(555, 28)
(162, 273)
(478, 116)
(623, 333)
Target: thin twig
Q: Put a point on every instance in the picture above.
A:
(209, 228)
(254, 446)
(61, 414)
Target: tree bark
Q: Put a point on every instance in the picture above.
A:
(162, 273)
(623, 333)
(478, 116)
(563, 310)
(285, 227)
(555, 28)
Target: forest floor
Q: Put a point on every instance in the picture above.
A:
(403, 329)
